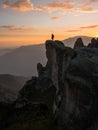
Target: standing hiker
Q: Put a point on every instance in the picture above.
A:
(52, 36)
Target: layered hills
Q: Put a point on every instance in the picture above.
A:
(9, 87)
(23, 60)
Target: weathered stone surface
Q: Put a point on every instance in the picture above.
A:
(74, 73)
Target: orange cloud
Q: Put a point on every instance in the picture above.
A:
(55, 18)
(22, 5)
(87, 7)
(74, 30)
(87, 10)
(89, 27)
(57, 6)
(93, 1)
(68, 6)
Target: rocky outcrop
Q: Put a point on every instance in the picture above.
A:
(74, 73)
(94, 43)
(65, 93)
(34, 105)
(79, 43)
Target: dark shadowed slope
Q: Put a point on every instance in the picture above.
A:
(4, 51)
(9, 86)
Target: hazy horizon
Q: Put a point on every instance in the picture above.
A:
(14, 46)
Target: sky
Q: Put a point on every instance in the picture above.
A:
(25, 22)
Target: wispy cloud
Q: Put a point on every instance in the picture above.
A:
(22, 5)
(57, 6)
(74, 30)
(92, 1)
(69, 6)
(89, 27)
(81, 28)
(87, 7)
(15, 28)
(55, 18)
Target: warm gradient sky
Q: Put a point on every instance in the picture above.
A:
(25, 22)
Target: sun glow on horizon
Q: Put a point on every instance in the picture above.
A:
(32, 22)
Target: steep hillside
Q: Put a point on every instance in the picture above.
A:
(9, 86)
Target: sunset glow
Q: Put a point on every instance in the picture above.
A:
(25, 22)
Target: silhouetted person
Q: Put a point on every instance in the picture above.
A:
(52, 36)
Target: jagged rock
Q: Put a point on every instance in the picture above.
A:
(74, 74)
(33, 105)
(79, 43)
(40, 69)
(94, 43)
(58, 55)
(37, 91)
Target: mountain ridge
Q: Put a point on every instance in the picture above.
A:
(70, 41)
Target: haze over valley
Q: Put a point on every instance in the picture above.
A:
(23, 61)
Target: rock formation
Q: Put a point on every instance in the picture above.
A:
(94, 43)
(74, 73)
(79, 43)
(65, 93)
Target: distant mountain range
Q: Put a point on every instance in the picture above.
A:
(9, 86)
(23, 60)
